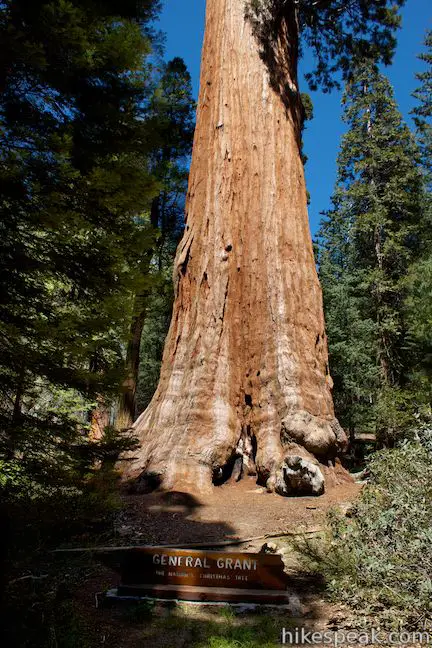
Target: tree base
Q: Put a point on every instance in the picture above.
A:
(299, 476)
(181, 477)
(299, 463)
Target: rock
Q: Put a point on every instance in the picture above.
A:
(295, 605)
(269, 547)
(346, 508)
(299, 476)
(361, 477)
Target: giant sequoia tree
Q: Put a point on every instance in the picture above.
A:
(245, 362)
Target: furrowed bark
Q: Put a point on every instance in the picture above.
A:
(247, 347)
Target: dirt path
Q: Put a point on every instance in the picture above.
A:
(234, 510)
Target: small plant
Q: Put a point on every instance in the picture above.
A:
(238, 632)
(228, 613)
(142, 611)
(378, 561)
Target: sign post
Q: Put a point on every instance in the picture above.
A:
(202, 575)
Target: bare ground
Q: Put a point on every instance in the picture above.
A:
(234, 510)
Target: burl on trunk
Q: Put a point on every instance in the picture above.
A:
(244, 370)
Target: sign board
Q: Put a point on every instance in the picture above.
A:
(202, 575)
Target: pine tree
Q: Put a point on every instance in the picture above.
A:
(170, 116)
(352, 348)
(369, 241)
(423, 111)
(419, 306)
(74, 175)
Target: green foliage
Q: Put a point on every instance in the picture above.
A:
(419, 281)
(174, 108)
(351, 334)
(341, 35)
(92, 138)
(369, 246)
(237, 633)
(142, 611)
(378, 560)
(91, 135)
(307, 109)
(423, 111)
(51, 469)
(74, 178)
(419, 318)
(159, 307)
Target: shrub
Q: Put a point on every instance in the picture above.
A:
(378, 560)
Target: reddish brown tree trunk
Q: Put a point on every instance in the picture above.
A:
(127, 402)
(246, 352)
(99, 419)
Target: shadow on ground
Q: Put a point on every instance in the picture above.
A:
(171, 517)
(56, 606)
(166, 518)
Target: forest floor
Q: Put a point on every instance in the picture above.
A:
(233, 511)
(57, 599)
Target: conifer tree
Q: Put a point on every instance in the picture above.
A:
(423, 110)
(419, 307)
(74, 175)
(171, 116)
(369, 241)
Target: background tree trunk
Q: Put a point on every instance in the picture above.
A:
(246, 351)
(99, 419)
(127, 401)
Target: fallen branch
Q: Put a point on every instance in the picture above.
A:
(195, 545)
(29, 577)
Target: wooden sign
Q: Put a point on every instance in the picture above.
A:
(202, 575)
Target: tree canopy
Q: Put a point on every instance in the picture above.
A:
(76, 189)
(369, 242)
(341, 34)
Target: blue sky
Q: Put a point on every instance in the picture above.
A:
(183, 23)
